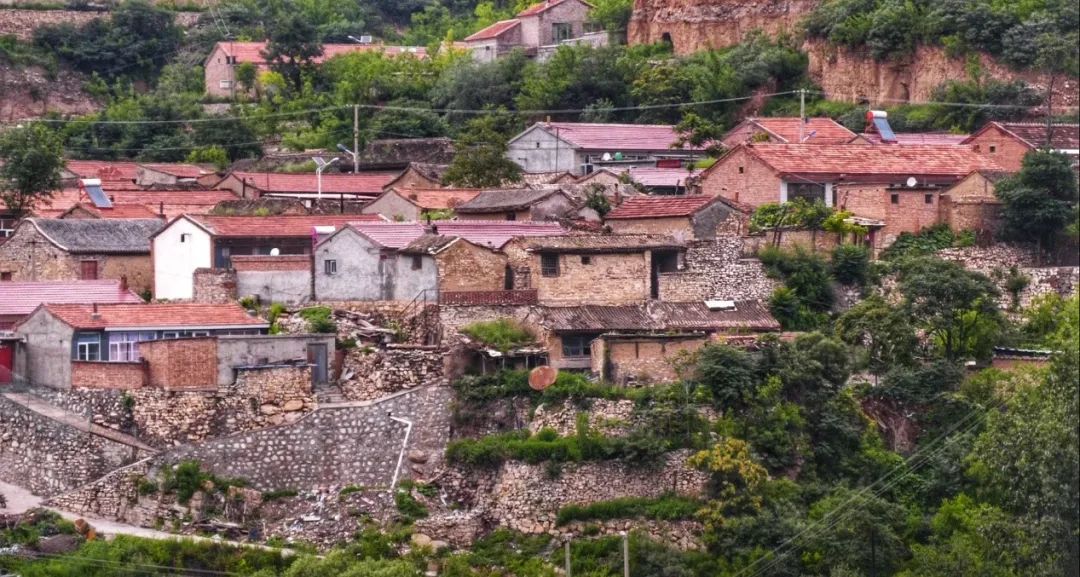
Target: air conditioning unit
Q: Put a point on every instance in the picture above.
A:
(587, 168)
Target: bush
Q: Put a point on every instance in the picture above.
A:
(278, 495)
(850, 264)
(927, 241)
(668, 507)
(320, 319)
(407, 505)
(503, 334)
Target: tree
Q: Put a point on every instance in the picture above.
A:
(955, 307)
(480, 156)
(882, 331)
(861, 531)
(32, 158)
(729, 374)
(1040, 200)
(294, 45)
(246, 75)
(214, 155)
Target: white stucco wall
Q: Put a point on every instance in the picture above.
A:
(552, 154)
(175, 261)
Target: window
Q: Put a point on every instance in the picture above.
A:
(7, 227)
(200, 333)
(561, 31)
(5, 276)
(894, 198)
(929, 199)
(586, 259)
(124, 347)
(88, 270)
(224, 83)
(330, 266)
(577, 345)
(549, 264)
(184, 237)
(807, 190)
(417, 262)
(742, 169)
(88, 347)
(511, 216)
(993, 148)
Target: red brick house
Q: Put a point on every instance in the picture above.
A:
(687, 218)
(788, 130)
(1006, 143)
(897, 186)
(546, 23)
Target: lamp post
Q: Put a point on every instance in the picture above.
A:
(352, 154)
(320, 165)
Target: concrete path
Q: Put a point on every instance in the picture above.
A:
(75, 421)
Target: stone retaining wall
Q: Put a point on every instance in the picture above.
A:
(717, 270)
(370, 374)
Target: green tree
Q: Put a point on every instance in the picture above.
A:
(956, 308)
(480, 156)
(729, 375)
(1039, 201)
(31, 159)
(882, 331)
(294, 45)
(860, 531)
(214, 155)
(246, 76)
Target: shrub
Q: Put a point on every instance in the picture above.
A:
(278, 494)
(407, 505)
(503, 334)
(850, 264)
(320, 319)
(146, 486)
(667, 507)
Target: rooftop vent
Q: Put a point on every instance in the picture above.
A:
(720, 305)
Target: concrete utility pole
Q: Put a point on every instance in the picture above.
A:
(567, 548)
(356, 138)
(625, 554)
(802, 112)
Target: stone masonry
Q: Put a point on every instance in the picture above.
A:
(370, 374)
(214, 285)
(717, 270)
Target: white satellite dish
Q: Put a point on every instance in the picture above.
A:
(606, 157)
(275, 252)
(912, 181)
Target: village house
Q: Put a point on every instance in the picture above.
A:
(89, 210)
(19, 299)
(650, 179)
(897, 188)
(219, 68)
(446, 261)
(542, 179)
(600, 269)
(169, 345)
(972, 204)
(192, 242)
(517, 204)
(413, 204)
(80, 249)
(362, 186)
(419, 175)
(1006, 143)
(169, 175)
(788, 130)
(536, 30)
(639, 342)
(106, 170)
(581, 148)
(685, 218)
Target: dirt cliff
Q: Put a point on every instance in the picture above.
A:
(692, 25)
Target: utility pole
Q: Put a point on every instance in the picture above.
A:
(356, 138)
(625, 554)
(802, 112)
(566, 546)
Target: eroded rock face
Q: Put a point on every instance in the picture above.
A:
(693, 25)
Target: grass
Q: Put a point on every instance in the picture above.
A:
(667, 507)
(320, 319)
(278, 495)
(502, 334)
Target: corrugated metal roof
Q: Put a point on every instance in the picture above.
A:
(660, 206)
(21, 298)
(158, 315)
(596, 243)
(660, 316)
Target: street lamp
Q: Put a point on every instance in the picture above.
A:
(352, 154)
(320, 165)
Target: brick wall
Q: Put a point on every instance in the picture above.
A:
(180, 364)
(213, 285)
(1008, 152)
(244, 263)
(981, 215)
(608, 279)
(911, 212)
(467, 267)
(646, 360)
(107, 375)
(756, 185)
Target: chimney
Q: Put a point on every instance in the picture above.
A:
(434, 229)
(94, 314)
(123, 283)
(161, 208)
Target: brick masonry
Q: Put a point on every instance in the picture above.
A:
(181, 363)
(107, 375)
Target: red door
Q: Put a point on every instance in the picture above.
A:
(89, 270)
(7, 363)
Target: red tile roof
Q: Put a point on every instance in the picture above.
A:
(1062, 136)
(294, 226)
(103, 169)
(814, 131)
(615, 137)
(867, 163)
(155, 316)
(253, 51)
(660, 206)
(920, 138)
(494, 233)
(21, 298)
(177, 170)
(116, 211)
(493, 31)
(437, 198)
(363, 183)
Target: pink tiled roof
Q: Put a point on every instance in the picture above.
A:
(178, 170)
(360, 183)
(116, 211)
(155, 316)
(437, 198)
(814, 131)
(493, 31)
(659, 206)
(21, 298)
(253, 51)
(1062, 136)
(616, 137)
(275, 226)
(390, 234)
(920, 138)
(854, 162)
(495, 233)
(103, 169)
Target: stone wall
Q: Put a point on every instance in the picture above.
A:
(342, 444)
(717, 270)
(644, 360)
(214, 285)
(997, 261)
(814, 240)
(49, 457)
(281, 279)
(112, 496)
(452, 318)
(370, 374)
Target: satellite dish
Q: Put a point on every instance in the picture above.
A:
(542, 377)
(275, 252)
(606, 157)
(911, 182)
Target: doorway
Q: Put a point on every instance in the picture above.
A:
(317, 355)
